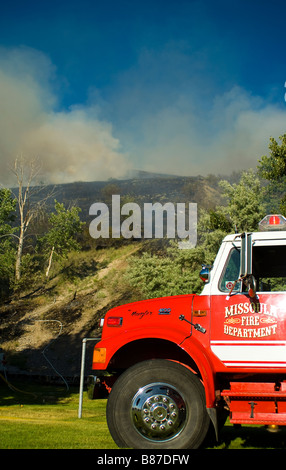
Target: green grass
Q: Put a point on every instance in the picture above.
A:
(46, 417)
(50, 420)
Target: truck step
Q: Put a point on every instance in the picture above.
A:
(257, 389)
(259, 418)
(256, 403)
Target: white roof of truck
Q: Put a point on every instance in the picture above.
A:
(270, 235)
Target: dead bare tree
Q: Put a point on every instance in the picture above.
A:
(28, 200)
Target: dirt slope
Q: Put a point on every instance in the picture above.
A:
(42, 333)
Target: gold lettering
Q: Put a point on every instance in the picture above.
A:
(240, 308)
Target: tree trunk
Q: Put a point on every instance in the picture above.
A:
(19, 254)
(50, 262)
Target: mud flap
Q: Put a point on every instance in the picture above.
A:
(212, 412)
(96, 388)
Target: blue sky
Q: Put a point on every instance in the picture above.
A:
(98, 88)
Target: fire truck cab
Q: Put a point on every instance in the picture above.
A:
(173, 366)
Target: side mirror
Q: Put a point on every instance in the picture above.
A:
(205, 273)
(246, 264)
(250, 283)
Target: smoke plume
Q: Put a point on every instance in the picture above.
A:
(73, 145)
(167, 111)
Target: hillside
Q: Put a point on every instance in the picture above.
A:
(91, 282)
(144, 188)
(68, 304)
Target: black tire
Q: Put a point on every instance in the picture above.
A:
(157, 404)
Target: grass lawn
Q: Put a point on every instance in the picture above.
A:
(49, 419)
(46, 417)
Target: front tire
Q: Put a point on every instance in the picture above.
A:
(157, 404)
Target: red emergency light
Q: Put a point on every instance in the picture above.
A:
(114, 321)
(273, 222)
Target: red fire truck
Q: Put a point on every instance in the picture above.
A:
(172, 366)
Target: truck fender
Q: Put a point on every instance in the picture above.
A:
(192, 347)
(201, 358)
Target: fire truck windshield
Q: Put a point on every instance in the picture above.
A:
(269, 267)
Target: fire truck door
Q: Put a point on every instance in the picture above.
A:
(250, 332)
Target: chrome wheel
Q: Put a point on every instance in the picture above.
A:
(157, 404)
(158, 412)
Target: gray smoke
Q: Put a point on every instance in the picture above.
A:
(73, 145)
(185, 118)
(168, 113)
